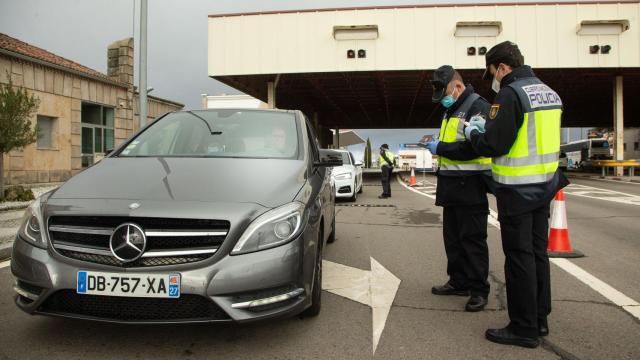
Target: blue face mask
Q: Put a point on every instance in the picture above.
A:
(448, 100)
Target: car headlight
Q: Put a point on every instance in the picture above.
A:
(32, 225)
(273, 228)
(344, 176)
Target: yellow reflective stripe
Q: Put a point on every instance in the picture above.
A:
(451, 130)
(548, 131)
(480, 160)
(536, 169)
(390, 156)
(520, 147)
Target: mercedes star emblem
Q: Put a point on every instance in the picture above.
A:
(128, 242)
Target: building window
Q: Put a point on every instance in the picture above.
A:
(97, 132)
(624, 146)
(46, 132)
(635, 146)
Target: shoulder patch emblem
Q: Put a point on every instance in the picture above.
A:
(494, 111)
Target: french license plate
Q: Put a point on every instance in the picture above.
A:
(128, 284)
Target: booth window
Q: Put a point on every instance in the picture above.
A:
(355, 32)
(478, 28)
(602, 27)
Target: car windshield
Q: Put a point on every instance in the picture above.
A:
(219, 133)
(346, 160)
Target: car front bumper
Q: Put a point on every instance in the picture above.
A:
(341, 188)
(225, 288)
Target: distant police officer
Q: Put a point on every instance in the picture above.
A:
(523, 138)
(461, 190)
(386, 165)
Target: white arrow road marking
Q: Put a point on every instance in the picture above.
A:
(376, 288)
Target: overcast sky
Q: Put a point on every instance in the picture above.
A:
(81, 30)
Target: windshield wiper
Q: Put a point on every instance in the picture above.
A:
(205, 121)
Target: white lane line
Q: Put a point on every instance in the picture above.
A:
(610, 195)
(587, 187)
(414, 190)
(607, 180)
(4, 264)
(596, 284)
(626, 303)
(493, 215)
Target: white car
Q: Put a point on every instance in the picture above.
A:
(348, 177)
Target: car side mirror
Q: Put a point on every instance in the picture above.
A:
(329, 158)
(358, 163)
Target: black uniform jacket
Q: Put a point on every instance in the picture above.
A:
(501, 130)
(462, 188)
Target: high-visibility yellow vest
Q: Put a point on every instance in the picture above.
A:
(533, 157)
(389, 155)
(452, 130)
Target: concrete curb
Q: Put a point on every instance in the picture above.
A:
(5, 251)
(15, 207)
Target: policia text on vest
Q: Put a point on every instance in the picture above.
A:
(462, 192)
(522, 136)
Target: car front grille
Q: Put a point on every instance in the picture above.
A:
(169, 241)
(188, 307)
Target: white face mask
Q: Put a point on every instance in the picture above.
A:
(495, 85)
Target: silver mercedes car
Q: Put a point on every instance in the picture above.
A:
(202, 216)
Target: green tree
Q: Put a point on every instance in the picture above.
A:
(367, 155)
(16, 109)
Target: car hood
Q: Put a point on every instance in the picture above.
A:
(342, 169)
(266, 182)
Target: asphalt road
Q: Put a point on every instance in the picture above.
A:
(406, 239)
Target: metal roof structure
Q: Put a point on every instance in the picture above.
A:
(370, 67)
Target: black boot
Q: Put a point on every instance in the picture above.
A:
(447, 289)
(507, 337)
(476, 303)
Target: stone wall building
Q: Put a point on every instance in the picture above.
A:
(82, 112)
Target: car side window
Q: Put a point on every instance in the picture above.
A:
(313, 142)
(353, 161)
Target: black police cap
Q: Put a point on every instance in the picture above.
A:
(384, 146)
(441, 78)
(505, 52)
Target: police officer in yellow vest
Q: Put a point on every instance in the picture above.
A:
(461, 190)
(522, 135)
(386, 165)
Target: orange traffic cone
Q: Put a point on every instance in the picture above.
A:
(559, 244)
(412, 179)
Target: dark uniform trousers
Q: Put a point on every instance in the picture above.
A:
(465, 242)
(526, 268)
(386, 178)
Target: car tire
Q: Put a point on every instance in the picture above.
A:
(354, 197)
(361, 186)
(316, 291)
(332, 235)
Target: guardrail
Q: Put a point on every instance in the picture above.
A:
(605, 164)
